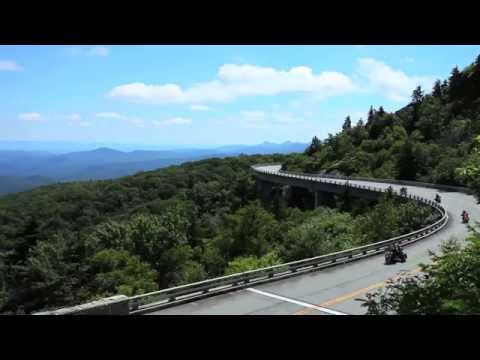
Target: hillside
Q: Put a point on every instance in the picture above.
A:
(428, 140)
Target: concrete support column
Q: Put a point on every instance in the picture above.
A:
(264, 189)
(323, 198)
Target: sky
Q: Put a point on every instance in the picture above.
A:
(207, 95)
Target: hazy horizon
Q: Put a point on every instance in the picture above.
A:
(58, 146)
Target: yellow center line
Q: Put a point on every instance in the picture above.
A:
(356, 293)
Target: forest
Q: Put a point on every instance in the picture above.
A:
(64, 244)
(433, 139)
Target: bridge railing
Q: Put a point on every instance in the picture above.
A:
(360, 178)
(184, 293)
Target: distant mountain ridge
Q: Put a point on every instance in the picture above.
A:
(23, 170)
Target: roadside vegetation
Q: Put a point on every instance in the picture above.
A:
(448, 286)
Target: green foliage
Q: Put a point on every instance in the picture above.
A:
(191, 271)
(245, 263)
(470, 171)
(119, 272)
(326, 231)
(425, 141)
(250, 231)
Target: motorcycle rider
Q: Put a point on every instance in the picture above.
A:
(398, 250)
(465, 216)
(438, 199)
(394, 253)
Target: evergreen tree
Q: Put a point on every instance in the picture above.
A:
(417, 95)
(437, 89)
(455, 75)
(381, 111)
(314, 146)
(454, 82)
(444, 88)
(371, 115)
(347, 125)
(406, 162)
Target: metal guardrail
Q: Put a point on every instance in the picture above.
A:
(360, 178)
(167, 297)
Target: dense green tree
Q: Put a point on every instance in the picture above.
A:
(119, 272)
(250, 230)
(379, 224)
(470, 170)
(245, 263)
(437, 89)
(326, 232)
(406, 166)
(314, 146)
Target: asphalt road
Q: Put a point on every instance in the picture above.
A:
(333, 291)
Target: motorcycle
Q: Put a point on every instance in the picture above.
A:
(392, 256)
(465, 219)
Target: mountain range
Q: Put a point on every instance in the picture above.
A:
(24, 170)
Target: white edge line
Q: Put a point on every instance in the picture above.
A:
(301, 303)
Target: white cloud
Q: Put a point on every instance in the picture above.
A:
(254, 119)
(173, 121)
(235, 81)
(238, 59)
(254, 114)
(73, 117)
(130, 120)
(394, 84)
(285, 118)
(262, 119)
(200, 108)
(76, 120)
(135, 121)
(32, 116)
(7, 65)
(112, 115)
(98, 50)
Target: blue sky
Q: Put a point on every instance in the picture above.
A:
(207, 95)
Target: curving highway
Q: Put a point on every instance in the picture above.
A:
(333, 291)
